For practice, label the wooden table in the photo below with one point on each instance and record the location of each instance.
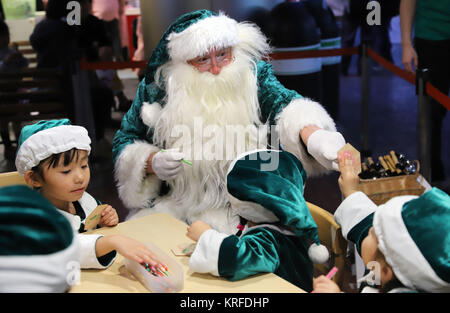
(167, 232)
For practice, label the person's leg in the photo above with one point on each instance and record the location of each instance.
(348, 34)
(434, 55)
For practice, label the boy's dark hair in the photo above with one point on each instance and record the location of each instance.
(55, 159)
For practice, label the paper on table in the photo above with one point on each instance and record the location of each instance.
(184, 249)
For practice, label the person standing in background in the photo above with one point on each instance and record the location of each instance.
(430, 50)
(109, 11)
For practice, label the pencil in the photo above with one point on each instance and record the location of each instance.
(332, 272)
(182, 160)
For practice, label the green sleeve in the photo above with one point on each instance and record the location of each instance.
(132, 128)
(272, 95)
(249, 255)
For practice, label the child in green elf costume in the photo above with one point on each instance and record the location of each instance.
(53, 158)
(38, 249)
(405, 242)
(277, 233)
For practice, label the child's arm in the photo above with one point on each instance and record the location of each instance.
(196, 229)
(227, 255)
(323, 284)
(127, 247)
(349, 180)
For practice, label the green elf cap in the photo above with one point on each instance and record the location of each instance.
(191, 35)
(37, 243)
(412, 232)
(45, 138)
(267, 186)
(414, 237)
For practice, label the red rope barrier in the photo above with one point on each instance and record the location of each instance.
(89, 66)
(432, 91)
(409, 77)
(437, 95)
(285, 55)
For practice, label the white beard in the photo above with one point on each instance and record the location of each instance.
(196, 119)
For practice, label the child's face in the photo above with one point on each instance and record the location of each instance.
(369, 247)
(64, 184)
(370, 252)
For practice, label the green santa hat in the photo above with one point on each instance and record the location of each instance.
(267, 186)
(196, 33)
(413, 235)
(45, 138)
(38, 249)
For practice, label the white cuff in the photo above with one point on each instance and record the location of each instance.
(294, 117)
(87, 249)
(135, 188)
(353, 210)
(205, 258)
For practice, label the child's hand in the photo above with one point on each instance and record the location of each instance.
(109, 217)
(322, 284)
(197, 229)
(349, 180)
(132, 249)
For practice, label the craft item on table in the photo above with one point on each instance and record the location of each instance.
(94, 218)
(356, 156)
(155, 275)
(184, 249)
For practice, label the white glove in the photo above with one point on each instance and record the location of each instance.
(324, 145)
(167, 165)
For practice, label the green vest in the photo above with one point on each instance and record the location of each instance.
(432, 20)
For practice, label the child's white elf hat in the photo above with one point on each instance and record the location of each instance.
(45, 138)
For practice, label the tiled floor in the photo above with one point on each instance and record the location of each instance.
(392, 125)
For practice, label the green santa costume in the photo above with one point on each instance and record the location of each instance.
(39, 141)
(265, 187)
(174, 99)
(412, 234)
(38, 249)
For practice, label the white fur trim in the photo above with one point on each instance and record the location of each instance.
(150, 113)
(318, 253)
(134, 187)
(39, 273)
(205, 258)
(214, 31)
(294, 117)
(400, 250)
(353, 210)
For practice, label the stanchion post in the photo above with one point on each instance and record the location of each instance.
(423, 123)
(365, 99)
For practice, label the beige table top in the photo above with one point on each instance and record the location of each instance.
(167, 232)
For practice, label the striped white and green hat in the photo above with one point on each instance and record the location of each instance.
(413, 234)
(44, 138)
(38, 249)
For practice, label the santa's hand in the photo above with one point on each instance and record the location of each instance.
(324, 145)
(166, 165)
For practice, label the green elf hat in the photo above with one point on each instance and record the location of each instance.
(412, 232)
(191, 35)
(414, 237)
(45, 138)
(38, 249)
(267, 186)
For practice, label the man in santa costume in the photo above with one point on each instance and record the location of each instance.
(207, 97)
